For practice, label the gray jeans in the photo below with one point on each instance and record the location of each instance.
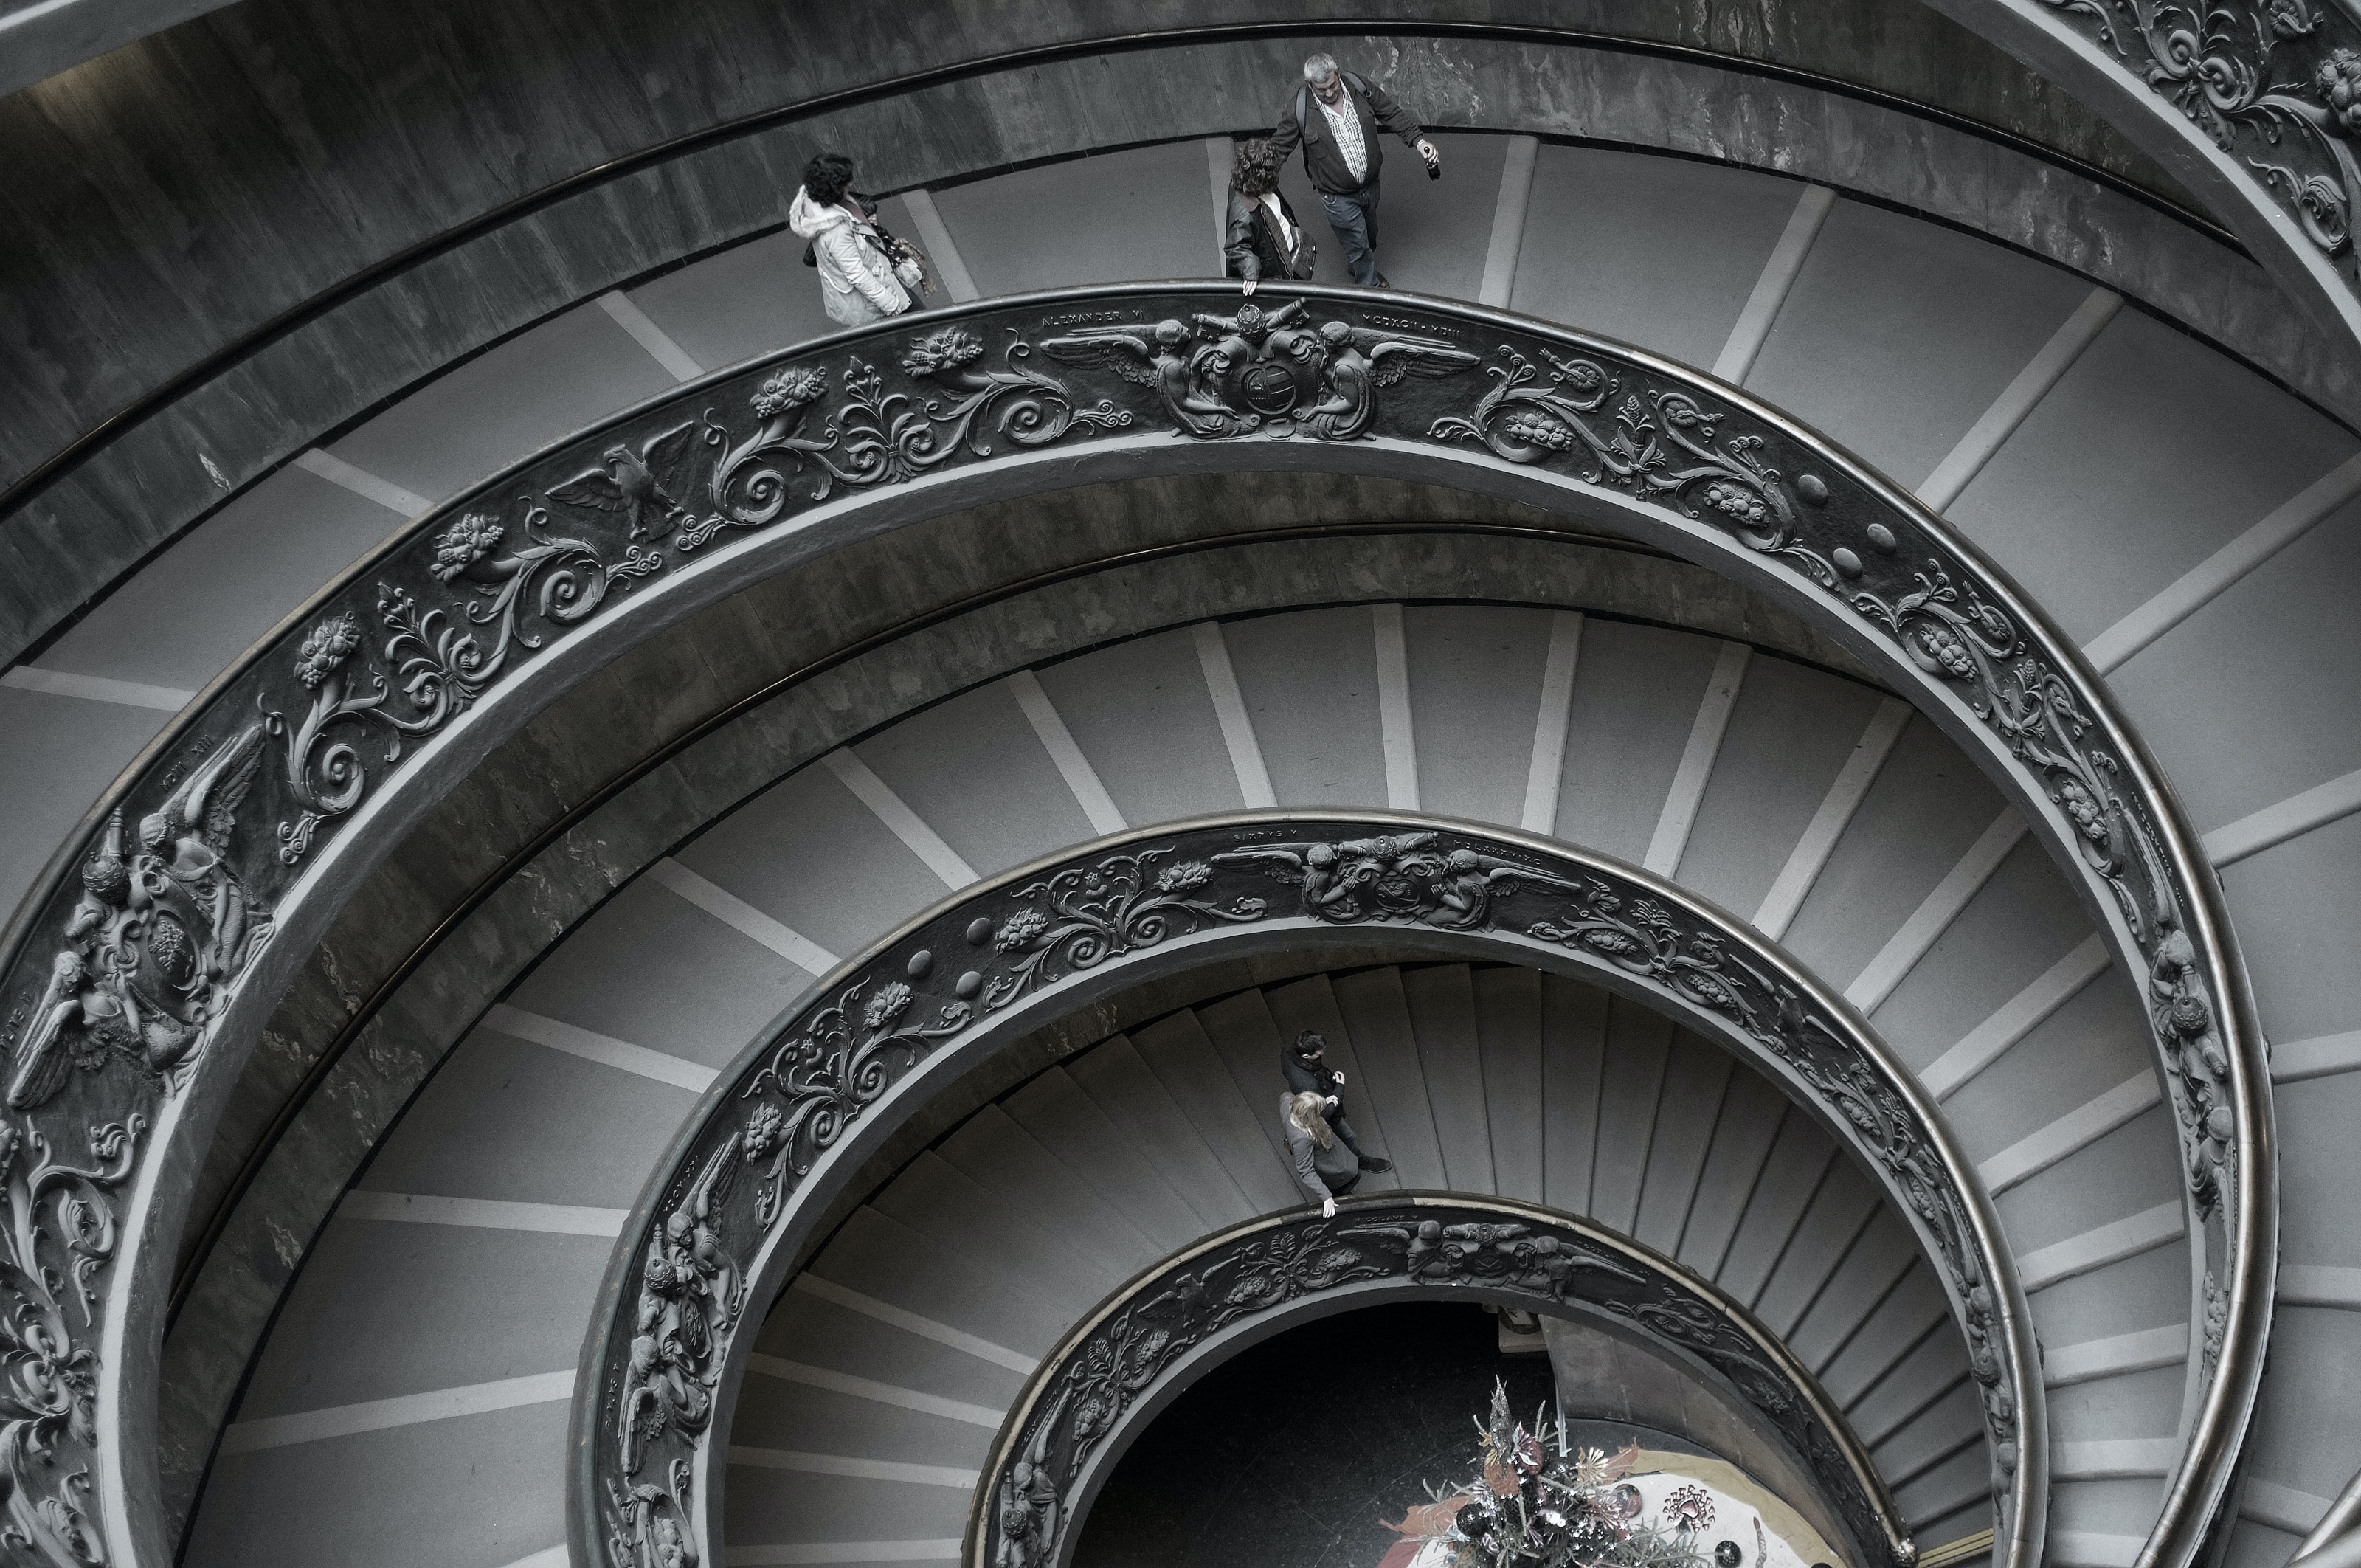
(1355, 219)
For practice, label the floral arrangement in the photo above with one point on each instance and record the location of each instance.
(1536, 1502)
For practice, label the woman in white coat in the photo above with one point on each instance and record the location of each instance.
(865, 274)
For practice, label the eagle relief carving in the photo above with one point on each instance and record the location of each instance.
(1262, 370)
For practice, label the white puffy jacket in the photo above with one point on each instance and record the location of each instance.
(857, 285)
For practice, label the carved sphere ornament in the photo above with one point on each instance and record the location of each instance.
(137, 975)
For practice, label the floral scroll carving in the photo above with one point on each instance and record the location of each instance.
(1626, 428)
(129, 953)
(884, 1018)
(1084, 1388)
(1642, 937)
(2274, 83)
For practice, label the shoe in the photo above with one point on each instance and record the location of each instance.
(1384, 281)
(1370, 1163)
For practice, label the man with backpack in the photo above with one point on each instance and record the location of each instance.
(1336, 116)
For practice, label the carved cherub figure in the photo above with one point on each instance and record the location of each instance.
(628, 484)
(1425, 1257)
(688, 1294)
(73, 1011)
(1404, 875)
(1362, 359)
(154, 937)
(106, 888)
(188, 843)
(1158, 355)
(1028, 1504)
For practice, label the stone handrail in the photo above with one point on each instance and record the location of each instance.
(1107, 1378)
(138, 974)
(2253, 105)
(777, 1138)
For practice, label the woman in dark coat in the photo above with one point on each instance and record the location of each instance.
(1264, 239)
(1324, 1168)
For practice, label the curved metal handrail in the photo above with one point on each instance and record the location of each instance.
(775, 1139)
(1093, 1392)
(156, 965)
(2334, 1543)
(2251, 107)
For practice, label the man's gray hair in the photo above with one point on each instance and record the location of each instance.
(1320, 70)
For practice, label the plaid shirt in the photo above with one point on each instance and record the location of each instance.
(1344, 125)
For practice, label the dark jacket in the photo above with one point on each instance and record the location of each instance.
(1320, 1174)
(1321, 159)
(1254, 247)
(1302, 1078)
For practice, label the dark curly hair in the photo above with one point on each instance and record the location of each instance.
(828, 177)
(1255, 172)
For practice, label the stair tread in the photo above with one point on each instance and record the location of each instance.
(1376, 1017)
(1002, 1158)
(1631, 1085)
(1697, 1080)
(879, 1256)
(1751, 1115)
(1508, 1036)
(1916, 1306)
(1065, 1119)
(802, 1327)
(1800, 1155)
(1184, 1061)
(780, 1413)
(1442, 1003)
(1246, 1039)
(1121, 1084)
(1872, 1265)
(936, 1199)
(1574, 1052)
(784, 1507)
(1845, 1204)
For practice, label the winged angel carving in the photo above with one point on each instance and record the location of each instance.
(690, 1298)
(1262, 370)
(1395, 876)
(161, 929)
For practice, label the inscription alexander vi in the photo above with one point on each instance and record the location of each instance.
(1084, 318)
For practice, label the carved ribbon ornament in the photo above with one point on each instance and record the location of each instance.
(123, 960)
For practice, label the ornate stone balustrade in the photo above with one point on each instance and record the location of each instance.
(1112, 1373)
(138, 974)
(775, 1140)
(2253, 103)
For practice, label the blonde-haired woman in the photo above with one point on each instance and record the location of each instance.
(1324, 1168)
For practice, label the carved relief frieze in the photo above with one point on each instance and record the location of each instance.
(932, 989)
(1089, 1385)
(2276, 84)
(125, 957)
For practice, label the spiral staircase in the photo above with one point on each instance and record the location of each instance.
(1712, 761)
(1047, 1201)
(2190, 522)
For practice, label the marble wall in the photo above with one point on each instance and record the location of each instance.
(186, 192)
